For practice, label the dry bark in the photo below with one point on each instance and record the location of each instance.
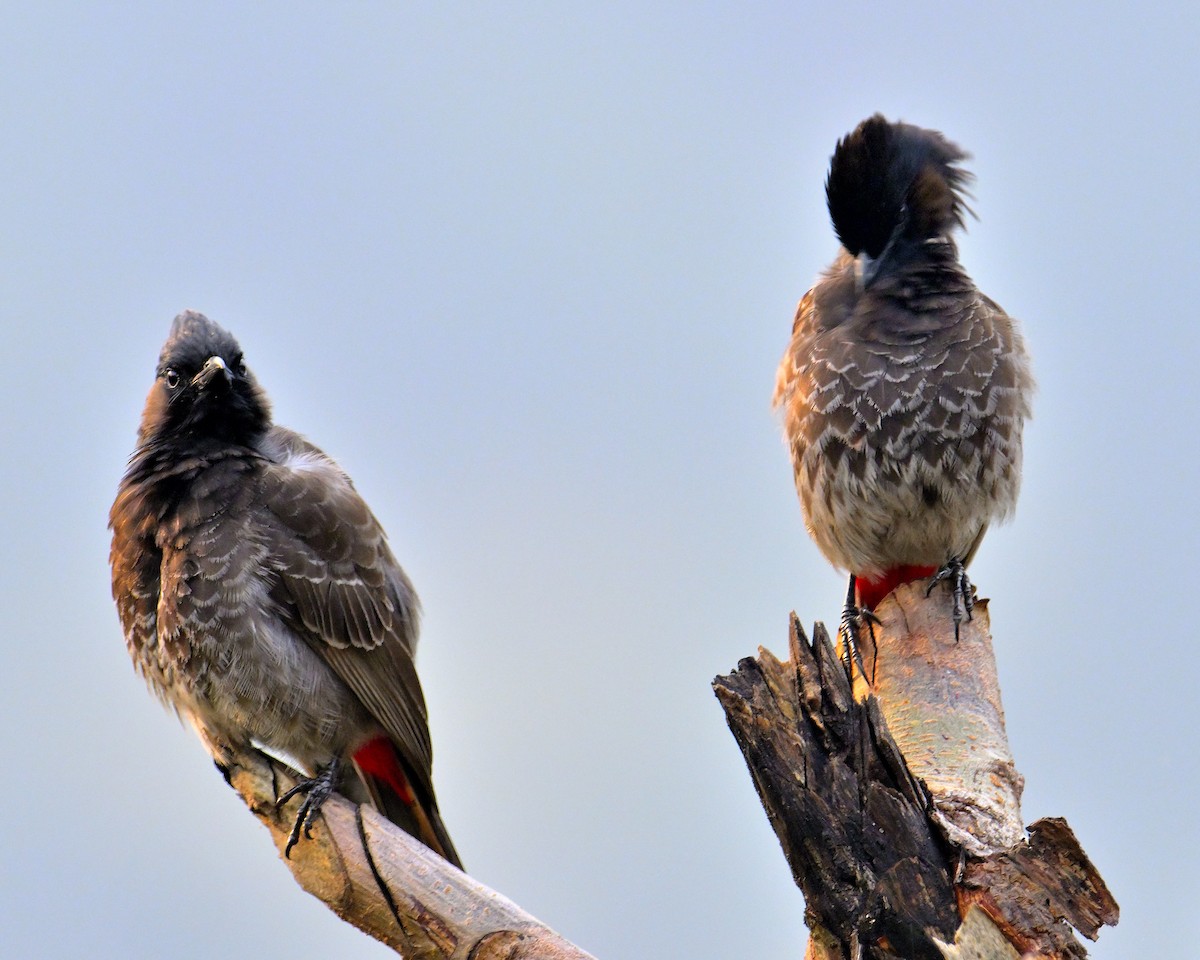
(374, 875)
(895, 797)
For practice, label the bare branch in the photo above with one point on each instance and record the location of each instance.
(374, 875)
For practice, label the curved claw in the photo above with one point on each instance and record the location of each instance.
(853, 617)
(962, 591)
(316, 791)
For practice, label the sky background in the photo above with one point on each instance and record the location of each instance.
(527, 271)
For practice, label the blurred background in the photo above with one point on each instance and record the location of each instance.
(527, 272)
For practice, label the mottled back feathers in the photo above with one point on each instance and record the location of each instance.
(904, 390)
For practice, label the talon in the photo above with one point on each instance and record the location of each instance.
(853, 616)
(962, 592)
(316, 791)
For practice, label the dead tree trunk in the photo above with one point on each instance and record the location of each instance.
(895, 797)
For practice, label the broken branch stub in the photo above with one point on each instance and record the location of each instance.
(896, 799)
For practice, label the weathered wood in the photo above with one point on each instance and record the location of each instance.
(978, 938)
(941, 700)
(896, 800)
(1033, 891)
(853, 823)
(391, 886)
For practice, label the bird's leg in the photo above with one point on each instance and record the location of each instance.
(316, 791)
(960, 589)
(853, 616)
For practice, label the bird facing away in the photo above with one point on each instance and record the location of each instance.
(259, 596)
(904, 389)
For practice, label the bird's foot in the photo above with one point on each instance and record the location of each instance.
(850, 630)
(961, 590)
(316, 791)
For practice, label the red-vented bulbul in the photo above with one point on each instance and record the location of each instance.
(258, 594)
(904, 389)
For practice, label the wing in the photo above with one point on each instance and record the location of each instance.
(339, 583)
(819, 386)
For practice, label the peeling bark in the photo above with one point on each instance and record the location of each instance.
(896, 800)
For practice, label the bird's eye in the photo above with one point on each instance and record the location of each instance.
(239, 367)
(171, 378)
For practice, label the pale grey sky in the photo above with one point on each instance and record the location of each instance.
(527, 271)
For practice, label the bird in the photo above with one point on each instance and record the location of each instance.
(259, 596)
(904, 390)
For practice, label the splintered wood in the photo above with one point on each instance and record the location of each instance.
(896, 800)
(852, 821)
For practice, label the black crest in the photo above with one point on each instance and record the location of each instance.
(193, 339)
(894, 179)
(194, 402)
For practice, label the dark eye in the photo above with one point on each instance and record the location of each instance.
(171, 378)
(239, 367)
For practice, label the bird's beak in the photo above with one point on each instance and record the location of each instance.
(864, 270)
(212, 366)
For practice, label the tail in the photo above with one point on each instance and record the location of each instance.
(891, 182)
(396, 794)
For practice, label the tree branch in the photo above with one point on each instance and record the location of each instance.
(375, 876)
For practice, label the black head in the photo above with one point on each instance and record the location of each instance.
(202, 389)
(893, 179)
